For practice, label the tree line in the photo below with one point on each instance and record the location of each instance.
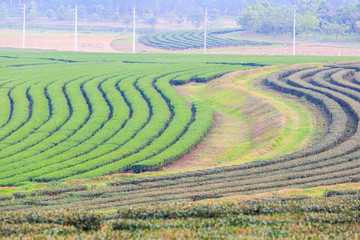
(333, 17)
(311, 16)
(107, 8)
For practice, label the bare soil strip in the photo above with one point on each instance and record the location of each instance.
(101, 43)
(248, 124)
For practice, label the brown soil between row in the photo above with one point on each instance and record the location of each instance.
(85, 44)
(98, 43)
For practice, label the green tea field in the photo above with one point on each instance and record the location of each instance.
(183, 40)
(89, 140)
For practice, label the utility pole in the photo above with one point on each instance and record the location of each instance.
(76, 27)
(294, 37)
(134, 29)
(24, 23)
(205, 26)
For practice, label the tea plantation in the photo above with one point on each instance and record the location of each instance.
(67, 116)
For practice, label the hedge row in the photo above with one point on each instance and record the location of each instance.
(93, 125)
(193, 135)
(332, 160)
(183, 40)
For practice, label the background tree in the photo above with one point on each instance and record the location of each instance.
(33, 14)
(196, 17)
(115, 17)
(61, 12)
(213, 15)
(281, 21)
(32, 5)
(127, 21)
(4, 14)
(334, 29)
(69, 13)
(324, 11)
(308, 23)
(250, 19)
(51, 15)
(162, 7)
(170, 17)
(101, 11)
(179, 18)
(265, 17)
(357, 26)
(94, 17)
(151, 20)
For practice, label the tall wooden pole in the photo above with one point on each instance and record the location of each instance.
(134, 29)
(76, 28)
(294, 34)
(24, 24)
(205, 26)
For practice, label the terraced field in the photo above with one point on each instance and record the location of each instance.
(183, 40)
(68, 116)
(79, 120)
(83, 119)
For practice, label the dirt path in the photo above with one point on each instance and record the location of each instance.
(261, 124)
(94, 42)
(85, 44)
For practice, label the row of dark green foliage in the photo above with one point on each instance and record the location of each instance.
(183, 40)
(91, 120)
(69, 126)
(332, 160)
(311, 17)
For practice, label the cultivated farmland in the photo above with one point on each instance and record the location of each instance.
(71, 116)
(91, 119)
(67, 117)
(183, 40)
(81, 116)
(278, 218)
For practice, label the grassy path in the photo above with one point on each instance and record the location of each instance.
(251, 123)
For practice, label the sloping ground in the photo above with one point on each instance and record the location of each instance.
(333, 160)
(250, 121)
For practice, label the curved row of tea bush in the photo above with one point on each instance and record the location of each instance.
(203, 75)
(333, 160)
(196, 131)
(55, 102)
(97, 119)
(155, 127)
(182, 40)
